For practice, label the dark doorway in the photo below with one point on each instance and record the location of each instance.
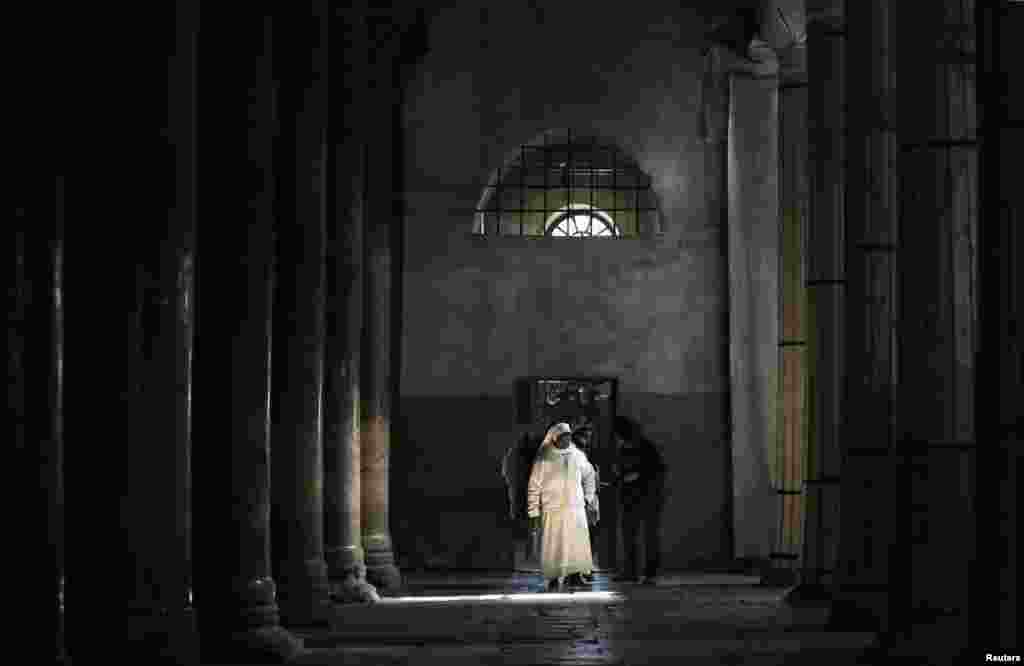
(541, 400)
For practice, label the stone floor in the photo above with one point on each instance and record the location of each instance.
(475, 618)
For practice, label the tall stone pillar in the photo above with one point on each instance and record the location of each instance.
(346, 563)
(166, 320)
(995, 617)
(869, 485)
(300, 57)
(34, 399)
(235, 595)
(933, 52)
(825, 293)
(753, 252)
(376, 384)
(107, 482)
(125, 300)
(793, 205)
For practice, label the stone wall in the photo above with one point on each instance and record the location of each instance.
(479, 313)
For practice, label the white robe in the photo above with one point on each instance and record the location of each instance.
(561, 486)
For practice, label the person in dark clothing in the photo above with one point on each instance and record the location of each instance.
(641, 481)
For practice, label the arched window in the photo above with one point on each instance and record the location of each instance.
(568, 185)
(580, 220)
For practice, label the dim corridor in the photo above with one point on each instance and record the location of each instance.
(476, 618)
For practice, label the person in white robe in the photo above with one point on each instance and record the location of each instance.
(562, 485)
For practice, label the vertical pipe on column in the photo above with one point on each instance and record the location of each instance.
(235, 597)
(296, 441)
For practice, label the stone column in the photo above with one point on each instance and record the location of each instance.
(753, 251)
(995, 618)
(300, 155)
(933, 53)
(167, 336)
(235, 595)
(124, 367)
(346, 564)
(792, 363)
(34, 400)
(375, 391)
(107, 478)
(825, 294)
(869, 486)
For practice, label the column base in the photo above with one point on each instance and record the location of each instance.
(380, 563)
(385, 576)
(343, 562)
(347, 574)
(303, 594)
(354, 590)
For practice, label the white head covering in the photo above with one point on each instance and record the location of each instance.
(554, 432)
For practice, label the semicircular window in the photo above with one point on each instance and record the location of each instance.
(568, 185)
(580, 220)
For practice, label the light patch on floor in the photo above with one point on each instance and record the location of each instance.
(531, 598)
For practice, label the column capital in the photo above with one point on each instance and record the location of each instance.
(761, 61)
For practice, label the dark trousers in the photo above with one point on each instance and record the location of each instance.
(642, 518)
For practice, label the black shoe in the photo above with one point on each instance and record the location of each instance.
(575, 580)
(587, 578)
(553, 585)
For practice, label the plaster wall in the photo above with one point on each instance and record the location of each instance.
(478, 313)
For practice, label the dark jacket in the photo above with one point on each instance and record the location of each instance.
(644, 459)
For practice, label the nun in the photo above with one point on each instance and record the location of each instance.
(562, 485)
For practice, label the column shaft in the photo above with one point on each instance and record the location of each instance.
(933, 53)
(995, 619)
(235, 596)
(168, 321)
(34, 399)
(343, 535)
(825, 292)
(868, 484)
(165, 256)
(107, 478)
(297, 458)
(375, 432)
(753, 253)
(793, 207)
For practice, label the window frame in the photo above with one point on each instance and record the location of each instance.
(546, 181)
